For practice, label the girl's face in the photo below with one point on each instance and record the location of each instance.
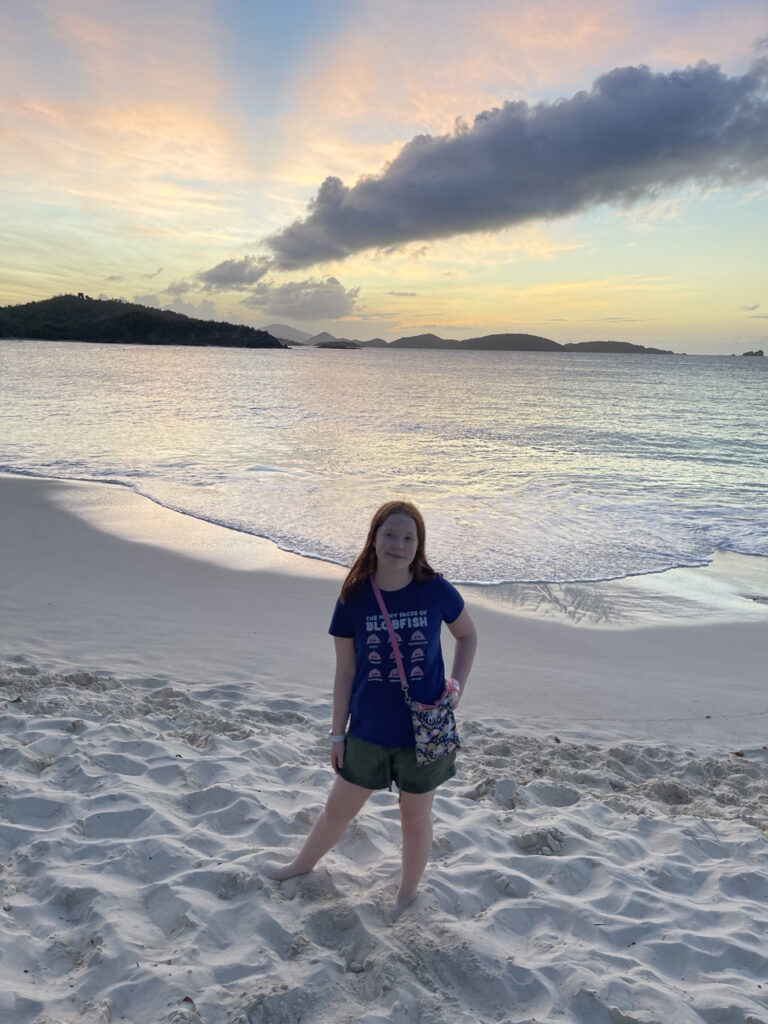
(396, 542)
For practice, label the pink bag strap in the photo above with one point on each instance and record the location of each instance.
(392, 640)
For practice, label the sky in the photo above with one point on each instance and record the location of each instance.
(574, 169)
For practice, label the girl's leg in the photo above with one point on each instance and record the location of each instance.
(344, 801)
(416, 818)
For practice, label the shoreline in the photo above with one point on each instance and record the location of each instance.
(199, 603)
(601, 855)
(731, 587)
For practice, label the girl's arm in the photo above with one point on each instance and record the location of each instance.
(463, 629)
(342, 692)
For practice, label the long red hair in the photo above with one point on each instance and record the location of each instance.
(365, 563)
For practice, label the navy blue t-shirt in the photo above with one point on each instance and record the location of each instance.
(378, 712)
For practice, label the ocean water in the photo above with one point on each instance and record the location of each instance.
(527, 466)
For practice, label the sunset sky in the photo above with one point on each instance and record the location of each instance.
(578, 169)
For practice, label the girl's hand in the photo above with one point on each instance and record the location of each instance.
(454, 690)
(337, 755)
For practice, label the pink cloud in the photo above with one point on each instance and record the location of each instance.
(142, 49)
(404, 68)
(121, 156)
(133, 122)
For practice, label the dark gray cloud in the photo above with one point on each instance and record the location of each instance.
(149, 277)
(205, 310)
(304, 300)
(404, 295)
(232, 274)
(750, 309)
(633, 134)
(148, 300)
(179, 288)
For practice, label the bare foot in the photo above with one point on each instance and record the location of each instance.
(291, 870)
(402, 904)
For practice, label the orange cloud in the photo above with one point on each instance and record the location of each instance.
(402, 68)
(135, 125)
(142, 49)
(151, 156)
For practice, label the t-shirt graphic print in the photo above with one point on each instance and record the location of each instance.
(378, 712)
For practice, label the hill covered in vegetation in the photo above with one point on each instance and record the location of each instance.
(81, 318)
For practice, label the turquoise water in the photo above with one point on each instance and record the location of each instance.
(527, 466)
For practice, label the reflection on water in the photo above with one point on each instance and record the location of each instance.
(528, 466)
(732, 587)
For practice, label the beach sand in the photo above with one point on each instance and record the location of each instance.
(601, 857)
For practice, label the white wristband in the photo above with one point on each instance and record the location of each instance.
(337, 739)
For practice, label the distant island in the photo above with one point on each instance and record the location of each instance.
(112, 321)
(487, 343)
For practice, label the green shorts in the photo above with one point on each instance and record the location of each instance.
(374, 767)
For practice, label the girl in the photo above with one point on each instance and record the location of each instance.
(372, 741)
